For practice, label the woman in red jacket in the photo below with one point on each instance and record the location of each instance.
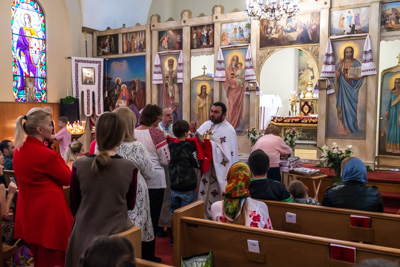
(43, 218)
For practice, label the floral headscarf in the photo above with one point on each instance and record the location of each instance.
(236, 190)
(354, 170)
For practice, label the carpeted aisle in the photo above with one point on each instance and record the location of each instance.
(164, 249)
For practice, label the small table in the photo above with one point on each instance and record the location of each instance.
(287, 165)
(314, 178)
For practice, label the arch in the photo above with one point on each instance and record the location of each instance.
(309, 50)
(28, 27)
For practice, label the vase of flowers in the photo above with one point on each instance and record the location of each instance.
(333, 157)
(254, 135)
(290, 137)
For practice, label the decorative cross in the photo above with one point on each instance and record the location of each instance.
(398, 57)
(223, 139)
(204, 69)
(204, 180)
(224, 162)
(214, 193)
(202, 192)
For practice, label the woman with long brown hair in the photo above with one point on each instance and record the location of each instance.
(103, 188)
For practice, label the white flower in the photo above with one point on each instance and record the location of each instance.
(325, 148)
(349, 147)
(324, 154)
(335, 151)
(334, 144)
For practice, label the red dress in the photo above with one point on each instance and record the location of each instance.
(42, 217)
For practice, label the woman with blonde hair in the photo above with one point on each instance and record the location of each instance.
(75, 150)
(103, 189)
(42, 216)
(136, 152)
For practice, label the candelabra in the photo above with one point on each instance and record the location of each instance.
(77, 129)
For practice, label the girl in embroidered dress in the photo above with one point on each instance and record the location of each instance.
(238, 207)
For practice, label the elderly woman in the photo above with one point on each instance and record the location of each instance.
(136, 152)
(42, 216)
(353, 192)
(156, 145)
(238, 207)
(273, 145)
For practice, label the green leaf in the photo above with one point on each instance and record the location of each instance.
(68, 100)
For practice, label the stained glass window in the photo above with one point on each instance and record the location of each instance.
(29, 51)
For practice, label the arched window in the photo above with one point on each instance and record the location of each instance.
(29, 51)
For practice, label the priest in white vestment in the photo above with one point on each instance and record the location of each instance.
(224, 151)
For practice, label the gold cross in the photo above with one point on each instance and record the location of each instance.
(204, 69)
(398, 57)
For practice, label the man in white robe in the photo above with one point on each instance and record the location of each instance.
(224, 151)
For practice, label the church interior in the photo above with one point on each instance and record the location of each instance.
(326, 73)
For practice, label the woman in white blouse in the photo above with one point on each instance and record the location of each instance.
(157, 147)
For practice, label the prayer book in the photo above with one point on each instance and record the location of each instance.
(343, 253)
(360, 221)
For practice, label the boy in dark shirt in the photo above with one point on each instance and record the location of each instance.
(183, 178)
(261, 187)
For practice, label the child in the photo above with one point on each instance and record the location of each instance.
(182, 175)
(239, 74)
(109, 251)
(299, 193)
(63, 136)
(75, 150)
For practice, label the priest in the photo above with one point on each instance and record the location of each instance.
(224, 152)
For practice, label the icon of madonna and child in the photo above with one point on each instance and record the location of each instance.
(235, 87)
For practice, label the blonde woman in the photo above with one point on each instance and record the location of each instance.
(136, 152)
(42, 216)
(75, 150)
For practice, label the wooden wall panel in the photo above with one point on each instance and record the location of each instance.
(10, 111)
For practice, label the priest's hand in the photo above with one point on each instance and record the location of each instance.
(192, 127)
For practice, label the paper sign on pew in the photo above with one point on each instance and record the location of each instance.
(290, 217)
(253, 246)
(360, 221)
(343, 253)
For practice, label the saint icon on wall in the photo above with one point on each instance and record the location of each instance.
(347, 107)
(202, 94)
(170, 91)
(235, 89)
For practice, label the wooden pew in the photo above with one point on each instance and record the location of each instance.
(228, 242)
(335, 223)
(134, 236)
(6, 252)
(145, 263)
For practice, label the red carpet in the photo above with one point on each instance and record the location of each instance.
(164, 249)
